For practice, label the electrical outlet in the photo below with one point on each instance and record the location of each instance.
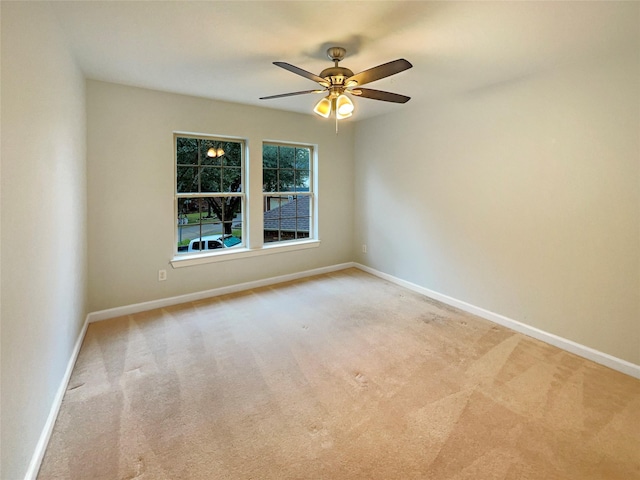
(162, 275)
(364, 248)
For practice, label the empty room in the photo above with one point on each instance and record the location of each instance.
(320, 240)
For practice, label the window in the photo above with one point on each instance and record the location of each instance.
(287, 192)
(212, 207)
(209, 193)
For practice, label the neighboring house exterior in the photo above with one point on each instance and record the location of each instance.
(288, 221)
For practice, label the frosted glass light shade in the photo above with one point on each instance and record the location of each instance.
(344, 106)
(323, 107)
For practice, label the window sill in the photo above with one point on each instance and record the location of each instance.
(238, 253)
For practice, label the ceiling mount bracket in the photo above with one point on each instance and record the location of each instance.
(336, 53)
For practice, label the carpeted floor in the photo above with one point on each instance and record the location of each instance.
(340, 376)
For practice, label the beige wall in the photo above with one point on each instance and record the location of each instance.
(521, 198)
(43, 200)
(131, 185)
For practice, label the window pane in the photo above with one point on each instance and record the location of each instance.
(211, 152)
(187, 179)
(231, 180)
(302, 180)
(286, 181)
(188, 213)
(188, 232)
(229, 212)
(186, 151)
(233, 154)
(287, 157)
(272, 213)
(269, 180)
(207, 213)
(269, 156)
(202, 221)
(303, 158)
(286, 217)
(210, 179)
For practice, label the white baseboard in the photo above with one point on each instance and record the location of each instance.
(550, 338)
(190, 297)
(43, 441)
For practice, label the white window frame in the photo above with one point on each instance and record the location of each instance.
(311, 193)
(177, 196)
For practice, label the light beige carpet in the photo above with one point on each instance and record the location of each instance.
(340, 376)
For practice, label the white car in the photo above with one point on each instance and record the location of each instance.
(212, 242)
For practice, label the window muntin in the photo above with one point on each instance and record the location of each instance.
(287, 192)
(209, 193)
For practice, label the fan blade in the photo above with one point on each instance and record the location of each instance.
(303, 73)
(380, 95)
(291, 94)
(381, 71)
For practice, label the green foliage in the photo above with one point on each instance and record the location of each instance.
(285, 168)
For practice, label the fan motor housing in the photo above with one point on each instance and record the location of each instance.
(336, 75)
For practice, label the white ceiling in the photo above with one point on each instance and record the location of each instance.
(224, 49)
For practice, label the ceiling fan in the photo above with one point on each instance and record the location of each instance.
(336, 81)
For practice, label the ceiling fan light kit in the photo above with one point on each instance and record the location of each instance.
(338, 81)
(323, 107)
